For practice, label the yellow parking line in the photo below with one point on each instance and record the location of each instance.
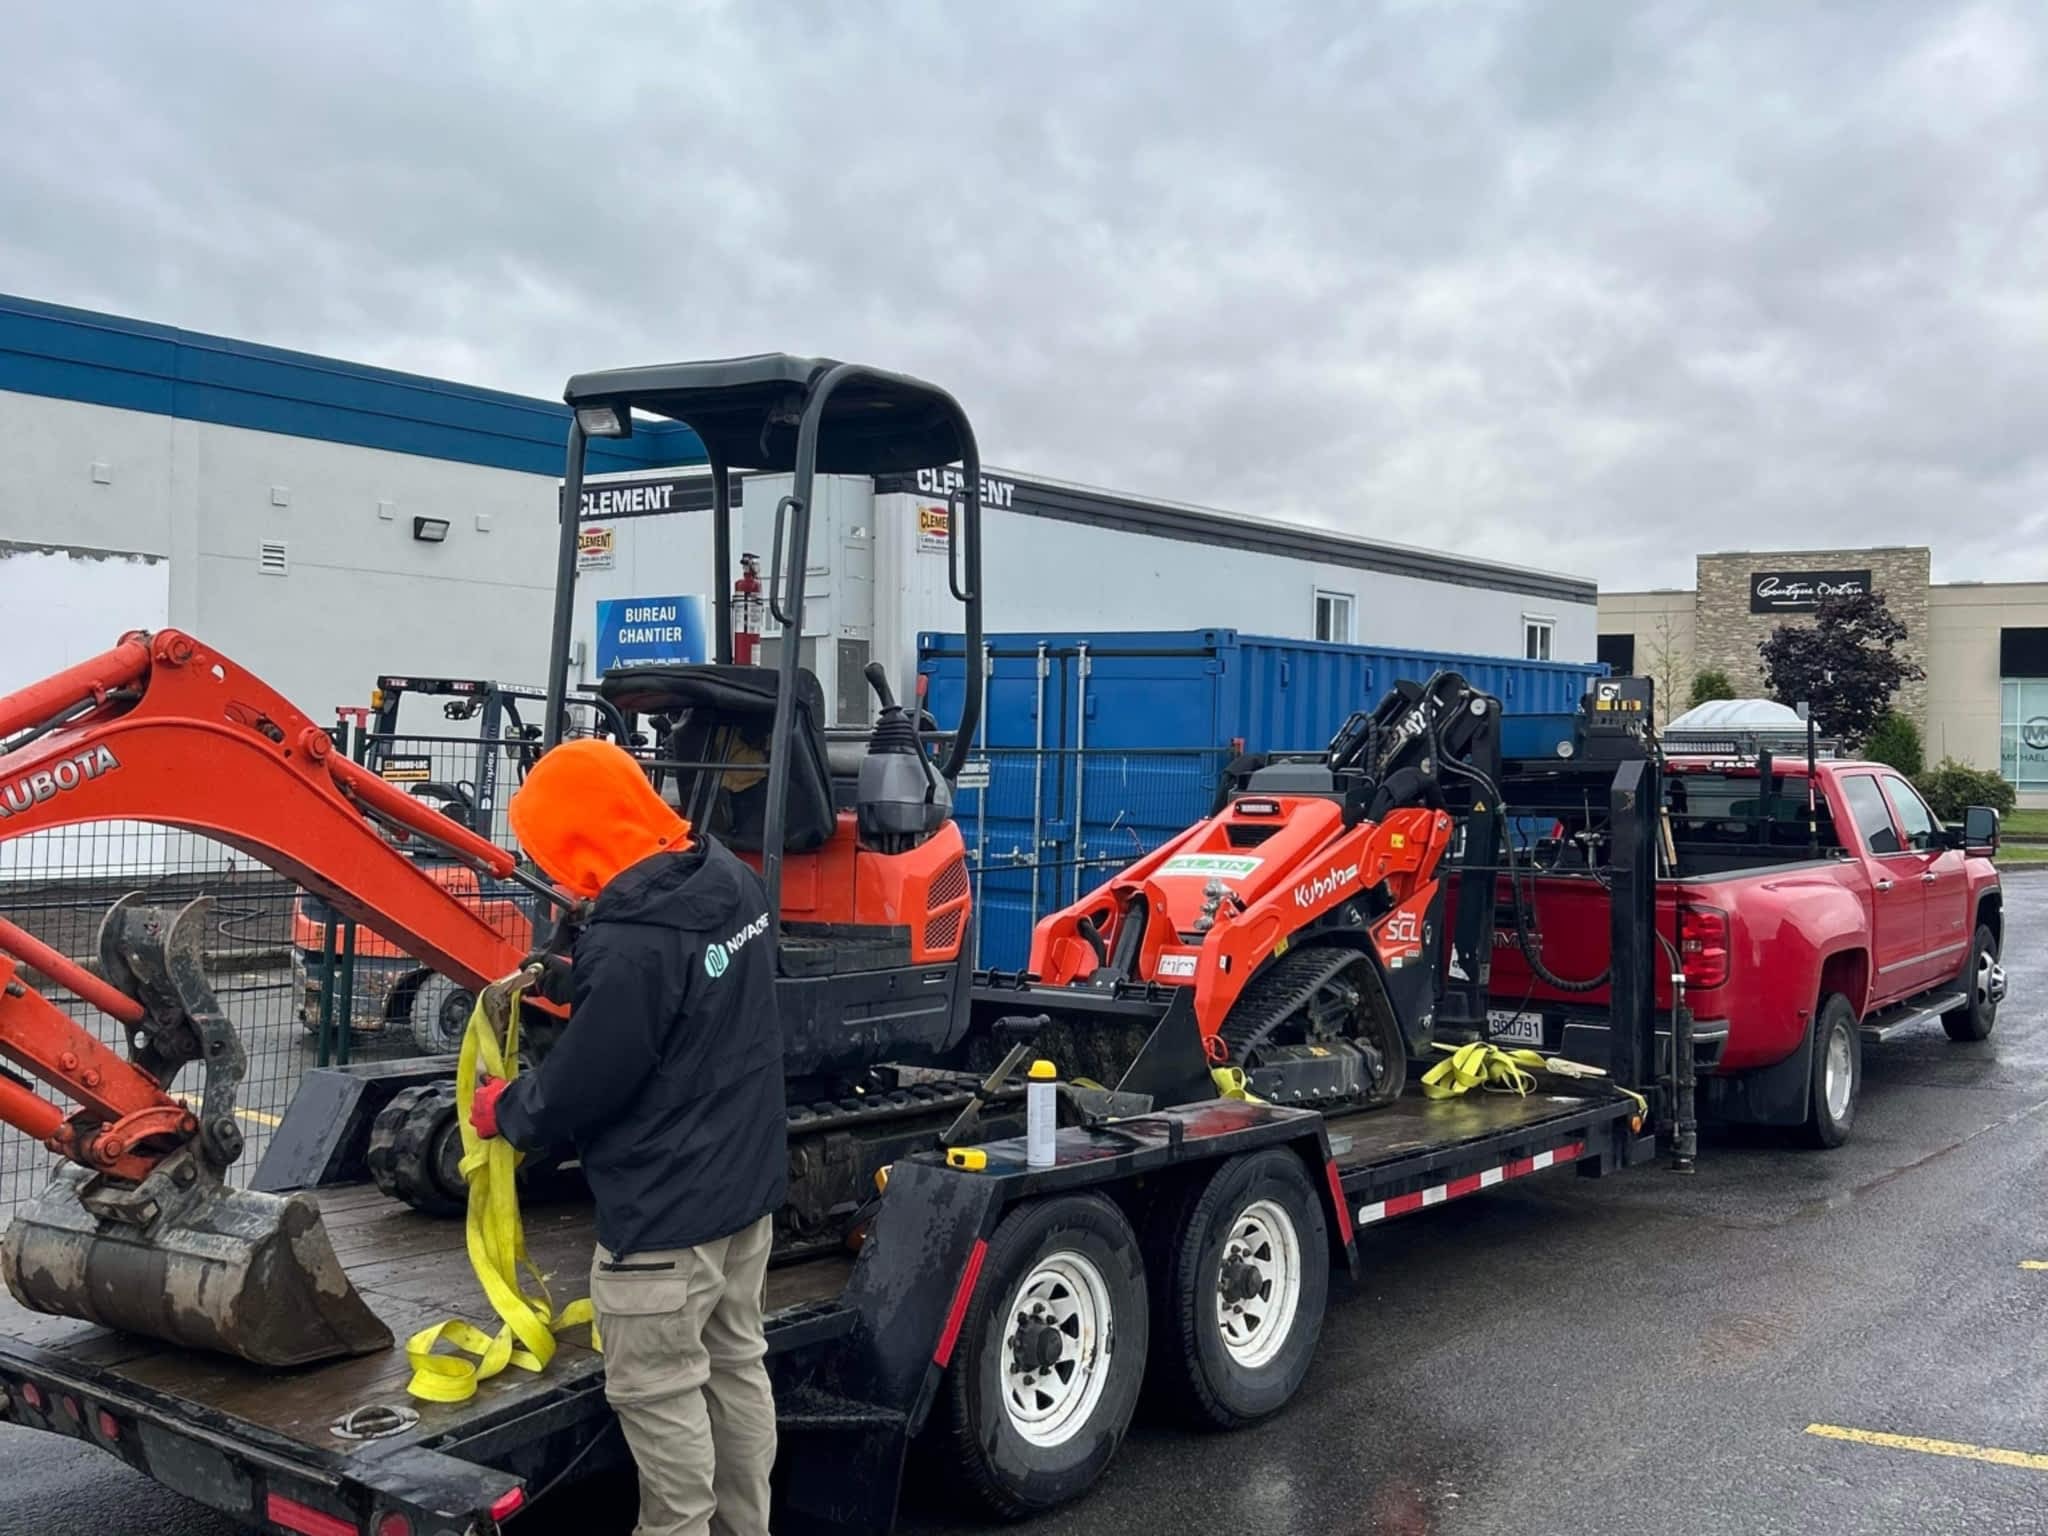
(2034, 1263)
(2027, 1459)
(191, 1101)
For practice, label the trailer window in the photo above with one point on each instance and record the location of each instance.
(1873, 816)
(1333, 617)
(1728, 810)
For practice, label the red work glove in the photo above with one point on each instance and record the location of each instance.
(483, 1106)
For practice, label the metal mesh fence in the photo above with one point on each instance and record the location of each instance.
(58, 885)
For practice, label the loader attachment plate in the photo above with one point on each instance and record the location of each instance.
(200, 1266)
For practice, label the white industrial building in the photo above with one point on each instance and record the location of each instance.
(323, 522)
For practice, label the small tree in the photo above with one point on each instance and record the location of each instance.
(1949, 787)
(1845, 664)
(1895, 742)
(1709, 684)
(1667, 666)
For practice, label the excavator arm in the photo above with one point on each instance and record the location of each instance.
(142, 1232)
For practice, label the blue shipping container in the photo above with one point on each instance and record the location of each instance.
(1102, 745)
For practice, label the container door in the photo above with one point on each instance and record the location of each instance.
(1142, 755)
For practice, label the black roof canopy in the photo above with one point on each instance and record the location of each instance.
(746, 410)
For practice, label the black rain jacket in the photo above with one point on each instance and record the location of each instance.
(668, 1077)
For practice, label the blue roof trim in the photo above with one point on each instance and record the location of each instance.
(132, 365)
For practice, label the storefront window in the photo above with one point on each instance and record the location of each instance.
(2023, 748)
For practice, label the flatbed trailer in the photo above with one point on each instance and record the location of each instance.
(859, 1344)
(1004, 1312)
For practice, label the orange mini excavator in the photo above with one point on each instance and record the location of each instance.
(853, 835)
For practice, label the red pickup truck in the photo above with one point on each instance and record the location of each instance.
(1805, 926)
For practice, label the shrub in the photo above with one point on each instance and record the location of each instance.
(1949, 786)
(1710, 685)
(1895, 742)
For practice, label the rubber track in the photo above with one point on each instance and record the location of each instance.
(401, 1147)
(402, 1137)
(1277, 993)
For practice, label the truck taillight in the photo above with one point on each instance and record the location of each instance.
(1703, 945)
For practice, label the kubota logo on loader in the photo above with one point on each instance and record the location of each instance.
(1324, 886)
(34, 788)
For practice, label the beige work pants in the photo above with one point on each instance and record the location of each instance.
(682, 1360)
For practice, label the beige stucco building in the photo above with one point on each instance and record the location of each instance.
(1984, 645)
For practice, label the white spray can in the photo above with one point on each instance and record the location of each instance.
(1041, 1114)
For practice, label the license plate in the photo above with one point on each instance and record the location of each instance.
(1512, 1028)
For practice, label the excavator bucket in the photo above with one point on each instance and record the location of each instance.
(230, 1270)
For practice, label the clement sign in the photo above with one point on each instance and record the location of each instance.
(1802, 591)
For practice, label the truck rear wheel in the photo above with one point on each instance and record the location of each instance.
(1241, 1290)
(1051, 1356)
(1837, 1072)
(1986, 984)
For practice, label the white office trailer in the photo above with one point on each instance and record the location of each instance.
(323, 522)
(1056, 557)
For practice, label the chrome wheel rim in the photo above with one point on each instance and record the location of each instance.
(1987, 968)
(1056, 1349)
(1258, 1284)
(1838, 1074)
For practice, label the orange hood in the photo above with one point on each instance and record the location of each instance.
(586, 812)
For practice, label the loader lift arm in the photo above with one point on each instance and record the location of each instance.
(142, 1232)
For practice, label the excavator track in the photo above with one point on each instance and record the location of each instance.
(1331, 1067)
(414, 1153)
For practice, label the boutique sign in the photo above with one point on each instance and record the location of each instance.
(1802, 591)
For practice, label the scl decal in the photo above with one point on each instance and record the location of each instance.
(32, 789)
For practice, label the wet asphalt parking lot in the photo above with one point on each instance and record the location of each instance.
(1785, 1341)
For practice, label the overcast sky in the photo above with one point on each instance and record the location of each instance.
(1594, 286)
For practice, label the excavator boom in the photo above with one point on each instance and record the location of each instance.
(142, 1232)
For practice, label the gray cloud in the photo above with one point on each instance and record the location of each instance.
(1590, 285)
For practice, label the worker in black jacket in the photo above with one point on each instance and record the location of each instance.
(668, 1081)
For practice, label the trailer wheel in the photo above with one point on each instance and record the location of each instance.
(1837, 1072)
(439, 1014)
(1241, 1293)
(1051, 1355)
(1981, 975)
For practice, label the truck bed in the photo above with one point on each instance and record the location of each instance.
(414, 1271)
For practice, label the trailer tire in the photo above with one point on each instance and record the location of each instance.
(1220, 1363)
(1837, 1073)
(438, 1014)
(1974, 1020)
(1063, 1283)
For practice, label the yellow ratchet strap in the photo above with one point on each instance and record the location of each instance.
(496, 1239)
(1483, 1065)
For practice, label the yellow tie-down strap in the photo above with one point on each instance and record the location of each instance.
(497, 1247)
(1483, 1065)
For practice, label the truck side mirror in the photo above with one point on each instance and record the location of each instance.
(1980, 829)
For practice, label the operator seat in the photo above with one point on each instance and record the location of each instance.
(719, 720)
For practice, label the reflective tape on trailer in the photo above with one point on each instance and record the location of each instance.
(1472, 1183)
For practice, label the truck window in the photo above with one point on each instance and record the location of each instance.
(1734, 810)
(1914, 816)
(1873, 817)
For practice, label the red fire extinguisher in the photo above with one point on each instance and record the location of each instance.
(747, 611)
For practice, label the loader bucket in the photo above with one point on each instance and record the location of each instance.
(203, 1267)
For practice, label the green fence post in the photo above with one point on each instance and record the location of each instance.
(346, 1004)
(326, 992)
